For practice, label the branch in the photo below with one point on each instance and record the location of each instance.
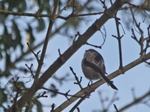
(40, 63)
(35, 47)
(100, 82)
(58, 63)
(140, 31)
(37, 15)
(77, 79)
(134, 102)
(78, 103)
(119, 37)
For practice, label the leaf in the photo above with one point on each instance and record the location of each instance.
(18, 4)
(22, 6)
(18, 35)
(39, 106)
(41, 25)
(20, 84)
(3, 96)
(6, 39)
(7, 61)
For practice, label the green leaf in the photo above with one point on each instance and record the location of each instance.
(39, 106)
(20, 84)
(41, 25)
(13, 4)
(18, 35)
(6, 39)
(3, 96)
(8, 61)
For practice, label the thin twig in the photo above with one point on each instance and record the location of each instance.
(35, 47)
(36, 55)
(135, 101)
(119, 37)
(60, 93)
(140, 32)
(30, 69)
(116, 108)
(98, 83)
(101, 101)
(114, 98)
(94, 45)
(77, 79)
(46, 41)
(67, 54)
(78, 103)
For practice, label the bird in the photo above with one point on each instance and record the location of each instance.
(93, 67)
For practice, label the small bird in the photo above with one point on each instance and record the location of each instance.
(93, 67)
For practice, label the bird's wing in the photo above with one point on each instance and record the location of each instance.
(96, 68)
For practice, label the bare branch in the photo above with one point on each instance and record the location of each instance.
(77, 44)
(77, 79)
(100, 82)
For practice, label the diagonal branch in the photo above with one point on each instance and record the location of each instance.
(136, 101)
(76, 45)
(100, 82)
(36, 46)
